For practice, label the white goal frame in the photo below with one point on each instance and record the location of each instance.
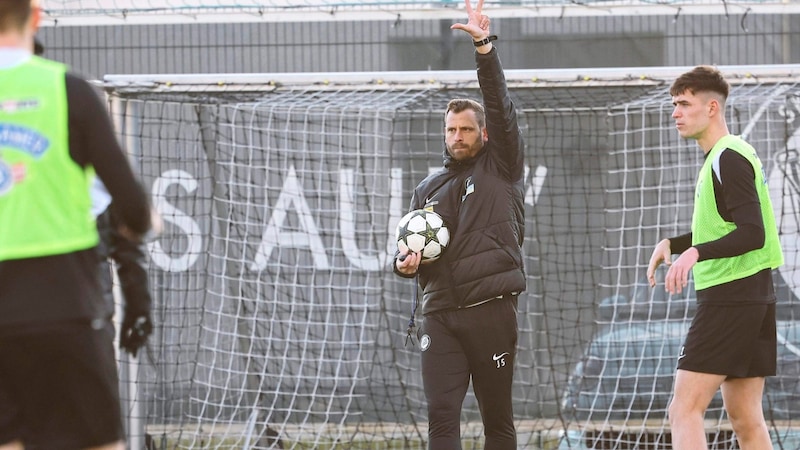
(125, 106)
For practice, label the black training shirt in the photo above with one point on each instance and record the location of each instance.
(737, 202)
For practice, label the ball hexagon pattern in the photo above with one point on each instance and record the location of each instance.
(422, 231)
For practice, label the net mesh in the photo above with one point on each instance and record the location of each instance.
(120, 11)
(280, 324)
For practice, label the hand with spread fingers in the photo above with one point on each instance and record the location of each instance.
(477, 25)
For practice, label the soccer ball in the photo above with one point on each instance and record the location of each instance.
(422, 231)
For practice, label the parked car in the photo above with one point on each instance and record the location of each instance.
(627, 369)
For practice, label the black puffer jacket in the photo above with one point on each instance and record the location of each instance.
(481, 201)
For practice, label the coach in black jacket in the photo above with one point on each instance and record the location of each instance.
(469, 327)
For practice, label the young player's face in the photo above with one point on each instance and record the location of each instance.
(691, 114)
(463, 136)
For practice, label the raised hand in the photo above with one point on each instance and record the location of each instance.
(477, 25)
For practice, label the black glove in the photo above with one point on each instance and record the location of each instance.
(136, 328)
(131, 270)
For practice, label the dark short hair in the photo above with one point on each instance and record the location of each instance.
(458, 105)
(14, 14)
(701, 79)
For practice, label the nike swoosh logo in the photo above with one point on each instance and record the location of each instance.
(430, 199)
(496, 356)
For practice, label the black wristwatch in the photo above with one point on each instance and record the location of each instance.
(485, 41)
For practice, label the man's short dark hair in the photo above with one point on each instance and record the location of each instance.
(458, 105)
(701, 79)
(14, 14)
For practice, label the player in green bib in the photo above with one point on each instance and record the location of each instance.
(58, 378)
(731, 251)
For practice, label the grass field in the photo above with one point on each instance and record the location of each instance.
(544, 434)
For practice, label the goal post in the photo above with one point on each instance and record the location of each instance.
(128, 12)
(280, 325)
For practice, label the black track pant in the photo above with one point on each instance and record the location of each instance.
(478, 343)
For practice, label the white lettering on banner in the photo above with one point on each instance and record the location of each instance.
(535, 187)
(178, 218)
(309, 238)
(347, 220)
(292, 199)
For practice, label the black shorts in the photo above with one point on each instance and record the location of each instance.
(59, 388)
(738, 341)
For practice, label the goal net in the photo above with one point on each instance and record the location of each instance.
(279, 323)
(117, 12)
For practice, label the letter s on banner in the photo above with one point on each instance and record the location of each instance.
(180, 219)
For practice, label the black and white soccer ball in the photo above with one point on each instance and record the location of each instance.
(424, 232)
